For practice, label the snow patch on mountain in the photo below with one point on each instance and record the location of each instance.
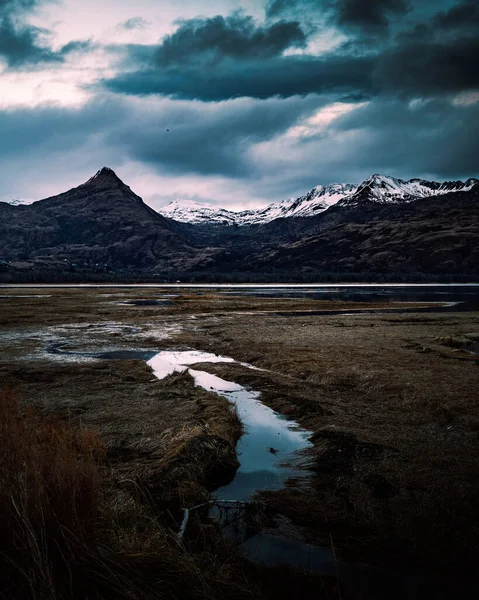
(190, 211)
(18, 202)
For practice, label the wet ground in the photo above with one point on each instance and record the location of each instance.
(389, 398)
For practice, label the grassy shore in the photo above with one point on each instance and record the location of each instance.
(390, 399)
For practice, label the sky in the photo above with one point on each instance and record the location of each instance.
(235, 102)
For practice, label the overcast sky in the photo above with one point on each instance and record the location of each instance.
(235, 102)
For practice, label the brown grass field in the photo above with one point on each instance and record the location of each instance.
(391, 400)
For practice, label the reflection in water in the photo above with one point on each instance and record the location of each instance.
(268, 441)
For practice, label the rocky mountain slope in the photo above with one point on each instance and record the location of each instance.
(434, 235)
(101, 222)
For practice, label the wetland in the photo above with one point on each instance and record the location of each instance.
(345, 416)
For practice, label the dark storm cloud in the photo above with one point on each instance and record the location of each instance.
(173, 136)
(441, 55)
(372, 15)
(215, 59)
(425, 68)
(463, 16)
(222, 58)
(279, 76)
(279, 8)
(235, 36)
(22, 44)
(433, 137)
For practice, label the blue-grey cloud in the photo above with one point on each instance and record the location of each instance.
(134, 23)
(241, 140)
(283, 76)
(174, 137)
(370, 15)
(236, 36)
(22, 44)
(221, 58)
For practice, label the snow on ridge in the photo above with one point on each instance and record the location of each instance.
(18, 202)
(384, 189)
(377, 189)
(317, 200)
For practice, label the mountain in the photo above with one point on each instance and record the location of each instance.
(190, 211)
(383, 189)
(318, 199)
(102, 230)
(435, 235)
(102, 222)
(378, 189)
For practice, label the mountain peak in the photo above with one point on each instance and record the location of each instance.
(105, 177)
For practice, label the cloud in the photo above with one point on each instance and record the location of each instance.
(171, 136)
(207, 139)
(228, 57)
(434, 57)
(424, 67)
(421, 137)
(22, 44)
(463, 16)
(235, 36)
(77, 46)
(134, 23)
(262, 78)
(279, 8)
(370, 15)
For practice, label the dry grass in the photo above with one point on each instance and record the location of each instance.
(69, 530)
(49, 499)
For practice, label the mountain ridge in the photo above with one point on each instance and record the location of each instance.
(379, 189)
(102, 226)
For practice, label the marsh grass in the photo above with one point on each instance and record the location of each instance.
(71, 530)
(49, 498)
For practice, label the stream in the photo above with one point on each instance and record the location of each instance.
(269, 446)
(270, 452)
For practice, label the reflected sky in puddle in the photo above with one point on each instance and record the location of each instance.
(268, 441)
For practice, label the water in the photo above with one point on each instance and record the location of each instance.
(267, 450)
(467, 294)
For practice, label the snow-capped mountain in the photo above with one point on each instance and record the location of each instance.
(382, 189)
(190, 211)
(377, 189)
(317, 200)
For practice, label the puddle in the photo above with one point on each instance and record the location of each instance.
(473, 348)
(83, 342)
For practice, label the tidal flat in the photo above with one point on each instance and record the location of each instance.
(387, 390)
